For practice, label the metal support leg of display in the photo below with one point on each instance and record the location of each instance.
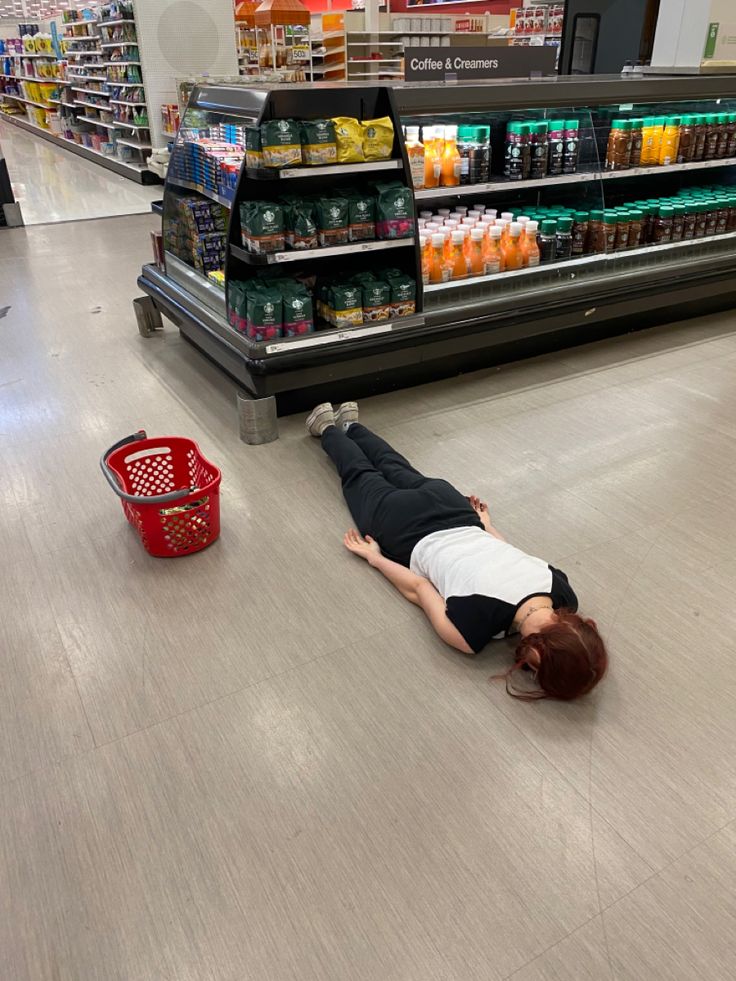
(147, 315)
(257, 419)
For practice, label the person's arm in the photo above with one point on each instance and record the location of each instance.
(481, 509)
(399, 576)
(416, 589)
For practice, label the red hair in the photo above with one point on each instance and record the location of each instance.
(572, 659)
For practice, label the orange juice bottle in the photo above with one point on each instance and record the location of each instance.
(459, 262)
(530, 248)
(477, 240)
(415, 152)
(438, 270)
(425, 247)
(432, 162)
(512, 257)
(451, 161)
(492, 255)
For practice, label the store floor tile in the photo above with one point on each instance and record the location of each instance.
(259, 762)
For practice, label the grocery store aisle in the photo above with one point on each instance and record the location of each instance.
(258, 762)
(53, 184)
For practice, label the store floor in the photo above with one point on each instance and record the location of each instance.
(54, 184)
(258, 762)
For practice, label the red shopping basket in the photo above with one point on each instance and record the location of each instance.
(170, 493)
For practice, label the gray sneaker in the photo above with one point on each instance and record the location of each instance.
(320, 418)
(347, 413)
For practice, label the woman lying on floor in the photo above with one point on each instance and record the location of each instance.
(440, 550)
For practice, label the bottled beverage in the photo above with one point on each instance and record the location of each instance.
(647, 142)
(610, 226)
(556, 144)
(622, 230)
(670, 141)
(513, 163)
(439, 271)
(547, 242)
(444, 212)
(637, 140)
(618, 152)
(701, 210)
(415, 152)
(688, 232)
(663, 225)
(425, 253)
(572, 146)
(686, 147)
(526, 150)
(699, 124)
(580, 224)
(711, 216)
(539, 150)
(427, 215)
(678, 222)
(512, 257)
(451, 162)
(529, 246)
(432, 161)
(731, 129)
(465, 137)
(722, 219)
(492, 255)
(711, 136)
(636, 216)
(563, 235)
(722, 146)
(596, 233)
(477, 239)
(458, 261)
(657, 134)
(480, 158)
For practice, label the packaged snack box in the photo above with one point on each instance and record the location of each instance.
(319, 144)
(265, 312)
(394, 211)
(349, 137)
(332, 221)
(378, 138)
(262, 226)
(300, 224)
(361, 216)
(281, 143)
(376, 301)
(253, 149)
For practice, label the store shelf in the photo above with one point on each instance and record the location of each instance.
(89, 78)
(330, 35)
(198, 284)
(581, 177)
(122, 102)
(28, 54)
(327, 69)
(327, 252)
(119, 44)
(137, 172)
(114, 23)
(375, 61)
(119, 122)
(98, 122)
(120, 64)
(331, 170)
(668, 169)
(327, 53)
(126, 85)
(32, 78)
(375, 75)
(91, 105)
(29, 102)
(135, 145)
(539, 272)
(200, 189)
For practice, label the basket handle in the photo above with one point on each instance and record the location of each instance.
(112, 480)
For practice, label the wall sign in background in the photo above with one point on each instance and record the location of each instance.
(437, 64)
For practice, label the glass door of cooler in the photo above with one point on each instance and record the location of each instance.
(533, 175)
(200, 188)
(605, 190)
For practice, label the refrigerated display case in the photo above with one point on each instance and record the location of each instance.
(610, 285)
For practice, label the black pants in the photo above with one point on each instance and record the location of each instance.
(388, 499)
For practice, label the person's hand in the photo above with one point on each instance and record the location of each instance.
(477, 505)
(367, 548)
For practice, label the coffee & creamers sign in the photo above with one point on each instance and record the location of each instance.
(439, 65)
